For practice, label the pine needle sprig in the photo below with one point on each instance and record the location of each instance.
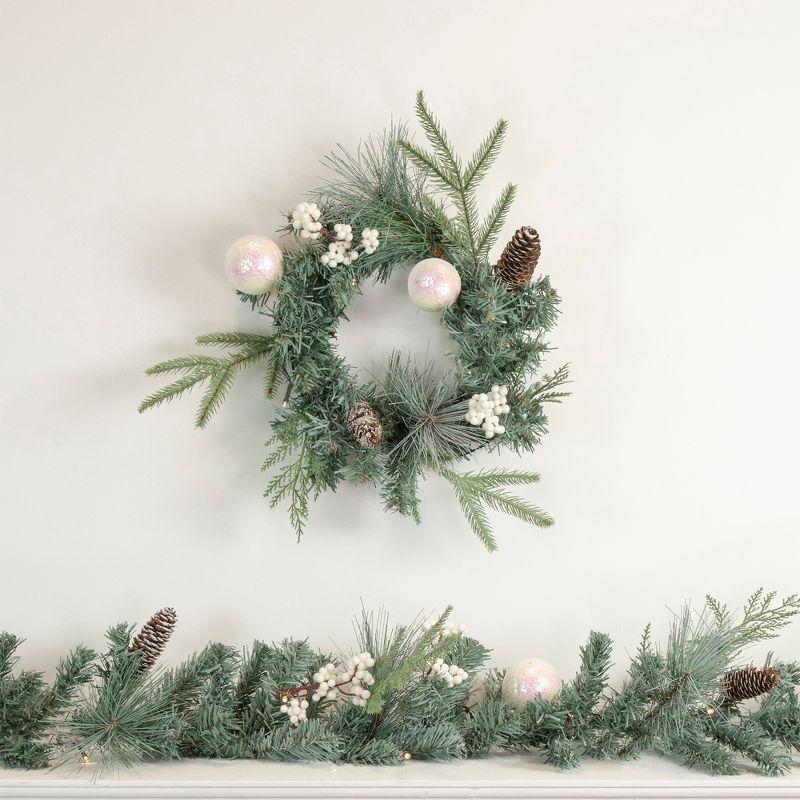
(486, 154)
(301, 442)
(476, 490)
(546, 390)
(9, 644)
(446, 170)
(411, 651)
(219, 372)
(293, 482)
(431, 419)
(495, 219)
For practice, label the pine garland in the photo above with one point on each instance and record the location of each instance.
(423, 203)
(225, 703)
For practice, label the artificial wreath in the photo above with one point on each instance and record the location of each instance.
(418, 691)
(413, 206)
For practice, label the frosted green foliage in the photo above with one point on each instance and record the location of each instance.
(225, 703)
(29, 708)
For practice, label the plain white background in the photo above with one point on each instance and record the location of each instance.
(655, 149)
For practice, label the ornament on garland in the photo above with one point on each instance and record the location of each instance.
(364, 425)
(749, 682)
(530, 679)
(434, 284)
(519, 259)
(153, 637)
(411, 205)
(254, 264)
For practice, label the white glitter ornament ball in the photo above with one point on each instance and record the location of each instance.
(253, 264)
(529, 679)
(434, 284)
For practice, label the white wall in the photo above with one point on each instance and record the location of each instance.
(655, 147)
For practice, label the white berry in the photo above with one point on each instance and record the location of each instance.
(451, 674)
(296, 710)
(305, 221)
(369, 240)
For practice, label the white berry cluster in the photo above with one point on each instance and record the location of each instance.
(485, 410)
(296, 710)
(449, 673)
(339, 251)
(326, 678)
(305, 220)
(355, 673)
(369, 240)
(360, 677)
(342, 249)
(448, 629)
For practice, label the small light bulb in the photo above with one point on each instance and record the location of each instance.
(85, 758)
(407, 756)
(710, 711)
(285, 404)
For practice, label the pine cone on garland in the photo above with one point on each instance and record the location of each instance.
(520, 257)
(153, 637)
(744, 684)
(364, 425)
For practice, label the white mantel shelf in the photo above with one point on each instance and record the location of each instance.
(499, 777)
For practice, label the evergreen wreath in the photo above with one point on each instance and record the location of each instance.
(416, 691)
(411, 204)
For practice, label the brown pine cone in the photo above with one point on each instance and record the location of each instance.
(364, 425)
(152, 638)
(744, 684)
(519, 259)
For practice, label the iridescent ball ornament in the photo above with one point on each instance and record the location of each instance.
(529, 679)
(253, 264)
(434, 284)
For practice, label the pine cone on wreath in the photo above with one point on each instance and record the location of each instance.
(519, 259)
(152, 638)
(744, 684)
(364, 425)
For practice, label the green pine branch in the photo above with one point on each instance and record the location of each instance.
(297, 481)
(444, 167)
(416, 657)
(495, 219)
(218, 372)
(475, 491)
(546, 390)
(442, 147)
(486, 154)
